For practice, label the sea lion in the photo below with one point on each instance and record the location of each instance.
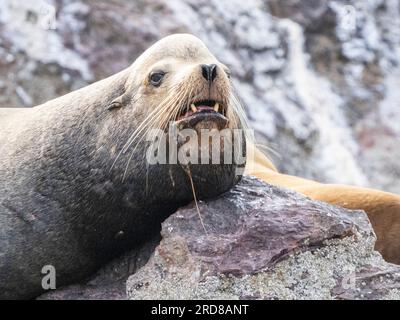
(76, 188)
(382, 208)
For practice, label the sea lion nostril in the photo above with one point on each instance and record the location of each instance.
(209, 71)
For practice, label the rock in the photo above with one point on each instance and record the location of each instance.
(264, 242)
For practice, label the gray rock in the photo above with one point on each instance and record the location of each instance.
(263, 242)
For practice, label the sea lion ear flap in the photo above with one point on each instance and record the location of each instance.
(118, 102)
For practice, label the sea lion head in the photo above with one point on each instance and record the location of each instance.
(179, 79)
(164, 101)
(178, 83)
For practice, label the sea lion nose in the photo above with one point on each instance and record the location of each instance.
(209, 72)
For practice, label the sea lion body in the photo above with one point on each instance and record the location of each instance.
(64, 199)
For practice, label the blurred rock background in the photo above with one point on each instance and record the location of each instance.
(320, 79)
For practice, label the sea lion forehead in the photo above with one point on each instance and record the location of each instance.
(184, 46)
(177, 46)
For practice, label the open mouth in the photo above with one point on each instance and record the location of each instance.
(201, 107)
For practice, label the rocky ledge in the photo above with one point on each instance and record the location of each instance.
(258, 242)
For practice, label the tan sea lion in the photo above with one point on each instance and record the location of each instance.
(382, 208)
(76, 188)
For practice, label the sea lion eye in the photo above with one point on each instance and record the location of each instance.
(156, 78)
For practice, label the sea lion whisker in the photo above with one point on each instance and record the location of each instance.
(148, 122)
(239, 112)
(132, 136)
(152, 116)
(180, 105)
(268, 148)
(186, 168)
(163, 118)
(165, 107)
(175, 107)
(142, 137)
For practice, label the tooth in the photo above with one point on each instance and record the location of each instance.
(216, 107)
(193, 107)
